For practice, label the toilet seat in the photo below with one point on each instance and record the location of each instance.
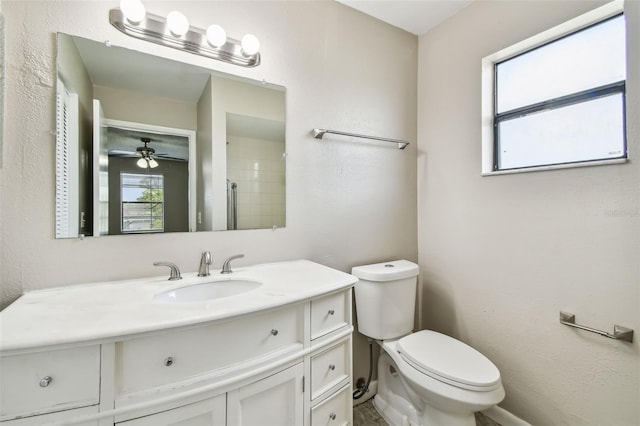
(449, 360)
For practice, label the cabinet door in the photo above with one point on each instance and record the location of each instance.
(210, 412)
(274, 401)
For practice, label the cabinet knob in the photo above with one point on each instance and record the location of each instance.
(331, 312)
(332, 367)
(332, 416)
(168, 361)
(45, 381)
(274, 332)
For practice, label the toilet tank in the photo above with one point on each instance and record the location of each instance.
(386, 298)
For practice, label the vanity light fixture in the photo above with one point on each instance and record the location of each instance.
(174, 31)
(178, 23)
(133, 10)
(250, 44)
(216, 35)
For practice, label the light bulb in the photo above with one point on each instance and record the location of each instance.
(153, 163)
(216, 36)
(133, 10)
(178, 23)
(250, 44)
(142, 163)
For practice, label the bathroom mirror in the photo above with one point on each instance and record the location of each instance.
(146, 144)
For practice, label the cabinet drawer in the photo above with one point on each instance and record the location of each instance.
(173, 356)
(335, 411)
(329, 368)
(210, 412)
(61, 417)
(328, 314)
(45, 382)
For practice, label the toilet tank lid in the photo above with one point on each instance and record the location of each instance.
(386, 271)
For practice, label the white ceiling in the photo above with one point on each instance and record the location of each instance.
(414, 16)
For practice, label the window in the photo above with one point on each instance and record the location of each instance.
(142, 202)
(558, 99)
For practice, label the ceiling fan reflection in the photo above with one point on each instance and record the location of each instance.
(146, 154)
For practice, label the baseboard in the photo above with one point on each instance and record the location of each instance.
(371, 392)
(503, 417)
(499, 414)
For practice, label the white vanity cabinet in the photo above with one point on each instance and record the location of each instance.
(288, 366)
(282, 364)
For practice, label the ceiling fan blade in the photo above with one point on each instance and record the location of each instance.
(168, 157)
(122, 153)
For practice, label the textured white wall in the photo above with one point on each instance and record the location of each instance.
(347, 203)
(500, 256)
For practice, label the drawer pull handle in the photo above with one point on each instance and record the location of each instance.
(332, 367)
(331, 312)
(45, 382)
(332, 416)
(168, 361)
(274, 332)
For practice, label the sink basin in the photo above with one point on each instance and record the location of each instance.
(208, 290)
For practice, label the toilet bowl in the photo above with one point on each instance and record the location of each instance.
(424, 378)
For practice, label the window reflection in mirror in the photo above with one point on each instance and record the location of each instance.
(118, 110)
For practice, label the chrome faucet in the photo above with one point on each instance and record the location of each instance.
(226, 266)
(205, 262)
(175, 271)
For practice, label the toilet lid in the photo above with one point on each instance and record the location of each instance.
(452, 361)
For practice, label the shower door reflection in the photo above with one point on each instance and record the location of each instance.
(256, 165)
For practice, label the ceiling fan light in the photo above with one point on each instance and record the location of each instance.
(142, 163)
(153, 163)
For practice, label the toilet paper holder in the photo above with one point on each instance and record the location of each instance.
(619, 332)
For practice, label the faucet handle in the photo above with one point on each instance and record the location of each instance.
(226, 266)
(175, 271)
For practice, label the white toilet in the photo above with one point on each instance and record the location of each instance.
(424, 378)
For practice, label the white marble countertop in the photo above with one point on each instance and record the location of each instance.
(104, 311)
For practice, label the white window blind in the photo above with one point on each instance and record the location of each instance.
(67, 220)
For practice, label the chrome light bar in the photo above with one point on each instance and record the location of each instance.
(154, 28)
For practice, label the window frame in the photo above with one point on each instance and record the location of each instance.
(491, 119)
(122, 204)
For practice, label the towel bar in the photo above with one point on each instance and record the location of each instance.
(619, 332)
(319, 134)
